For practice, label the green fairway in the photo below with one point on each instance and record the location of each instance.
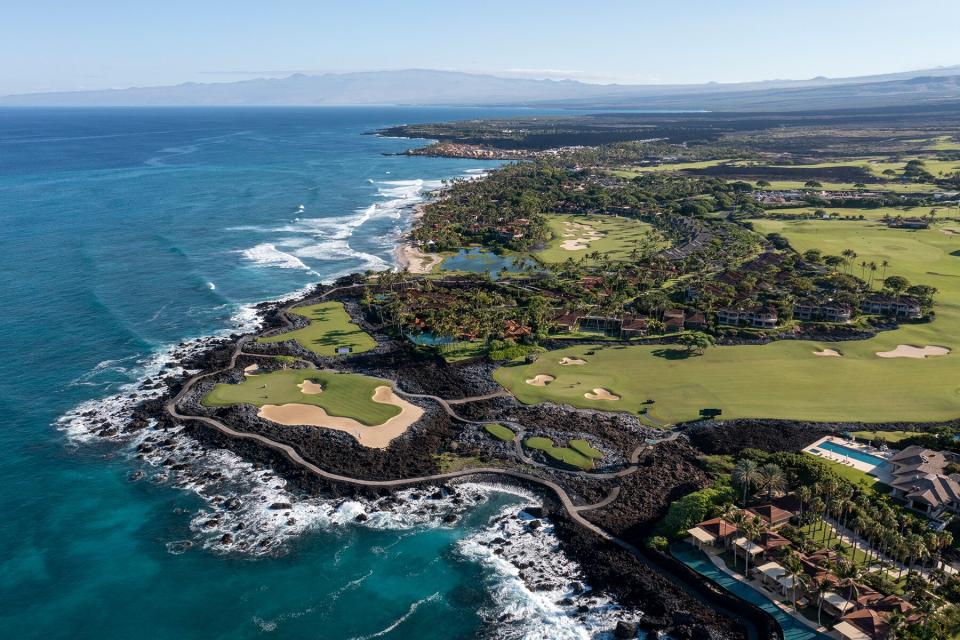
(784, 379)
(895, 187)
(569, 455)
(500, 432)
(630, 172)
(344, 394)
(611, 236)
(330, 327)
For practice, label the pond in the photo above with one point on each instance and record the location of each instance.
(427, 339)
(478, 260)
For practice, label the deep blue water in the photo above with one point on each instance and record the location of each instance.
(125, 231)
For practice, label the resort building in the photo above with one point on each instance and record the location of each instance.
(902, 307)
(920, 479)
(715, 532)
(770, 515)
(823, 311)
(865, 624)
(634, 326)
(760, 317)
(567, 321)
(674, 319)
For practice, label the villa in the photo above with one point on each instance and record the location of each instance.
(865, 624)
(713, 532)
(759, 318)
(920, 479)
(770, 515)
(826, 311)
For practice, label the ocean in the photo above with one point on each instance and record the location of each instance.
(127, 232)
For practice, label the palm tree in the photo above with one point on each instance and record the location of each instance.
(745, 475)
(803, 495)
(884, 265)
(848, 572)
(740, 520)
(823, 588)
(794, 568)
(772, 478)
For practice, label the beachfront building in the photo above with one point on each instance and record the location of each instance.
(822, 310)
(865, 624)
(771, 516)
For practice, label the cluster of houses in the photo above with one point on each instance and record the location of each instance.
(865, 616)
(628, 326)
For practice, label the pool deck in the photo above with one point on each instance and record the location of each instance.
(880, 473)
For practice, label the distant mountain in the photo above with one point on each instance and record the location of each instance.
(425, 87)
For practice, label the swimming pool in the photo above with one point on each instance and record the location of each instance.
(696, 560)
(865, 458)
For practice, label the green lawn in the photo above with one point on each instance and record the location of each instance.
(576, 457)
(895, 187)
(784, 379)
(886, 436)
(620, 237)
(847, 473)
(500, 432)
(346, 395)
(630, 172)
(583, 447)
(330, 327)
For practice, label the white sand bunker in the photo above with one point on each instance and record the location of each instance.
(251, 370)
(828, 353)
(582, 234)
(375, 437)
(601, 394)
(951, 232)
(565, 361)
(909, 351)
(310, 387)
(541, 380)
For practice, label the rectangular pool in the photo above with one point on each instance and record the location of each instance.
(865, 458)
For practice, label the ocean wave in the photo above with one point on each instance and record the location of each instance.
(537, 591)
(399, 621)
(268, 254)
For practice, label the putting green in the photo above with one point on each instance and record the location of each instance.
(576, 236)
(330, 327)
(500, 432)
(580, 455)
(784, 379)
(345, 395)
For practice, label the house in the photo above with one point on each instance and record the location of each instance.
(775, 577)
(920, 478)
(713, 532)
(865, 624)
(635, 326)
(566, 321)
(759, 317)
(696, 321)
(836, 605)
(674, 319)
(902, 307)
(824, 311)
(512, 329)
(770, 515)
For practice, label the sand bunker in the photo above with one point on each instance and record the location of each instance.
(565, 361)
(541, 380)
(950, 232)
(251, 370)
(375, 437)
(601, 394)
(909, 351)
(828, 353)
(310, 387)
(582, 235)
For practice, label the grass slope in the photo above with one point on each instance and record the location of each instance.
(886, 436)
(784, 379)
(500, 432)
(344, 394)
(330, 327)
(621, 236)
(570, 455)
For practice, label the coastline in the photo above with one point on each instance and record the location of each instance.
(408, 257)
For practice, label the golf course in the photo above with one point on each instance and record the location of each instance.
(784, 379)
(330, 328)
(575, 236)
(339, 394)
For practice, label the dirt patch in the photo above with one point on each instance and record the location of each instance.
(909, 351)
(540, 380)
(601, 394)
(376, 437)
(828, 353)
(565, 361)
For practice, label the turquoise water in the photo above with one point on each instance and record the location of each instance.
(698, 561)
(866, 458)
(477, 260)
(127, 231)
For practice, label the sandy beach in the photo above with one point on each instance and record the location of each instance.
(409, 257)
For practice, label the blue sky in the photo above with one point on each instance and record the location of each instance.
(92, 44)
